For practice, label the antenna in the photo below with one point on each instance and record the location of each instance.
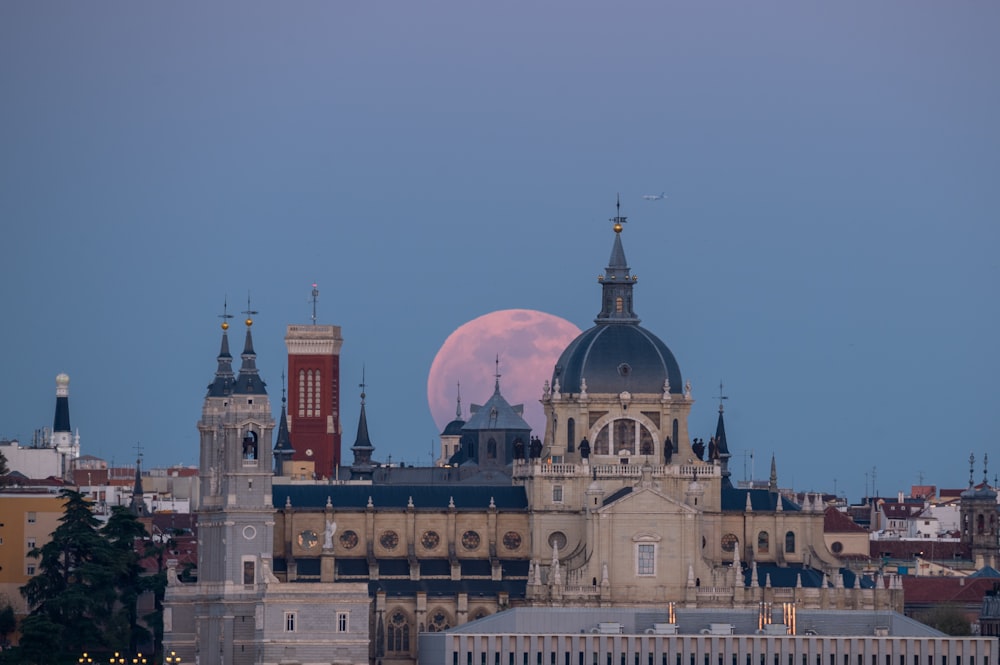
(315, 296)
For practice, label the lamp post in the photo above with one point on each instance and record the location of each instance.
(85, 658)
(172, 658)
(139, 659)
(117, 659)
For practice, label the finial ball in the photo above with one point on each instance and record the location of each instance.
(225, 326)
(618, 227)
(249, 322)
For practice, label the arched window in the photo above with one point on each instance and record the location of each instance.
(619, 305)
(309, 393)
(302, 393)
(491, 448)
(601, 442)
(790, 542)
(398, 634)
(480, 613)
(624, 435)
(570, 435)
(645, 441)
(763, 542)
(439, 621)
(980, 524)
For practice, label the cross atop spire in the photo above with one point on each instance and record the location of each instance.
(496, 375)
(458, 401)
(972, 467)
(362, 385)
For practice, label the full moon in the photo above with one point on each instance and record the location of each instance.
(528, 343)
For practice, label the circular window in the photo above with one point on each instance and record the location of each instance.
(470, 540)
(837, 547)
(389, 540)
(557, 539)
(349, 540)
(249, 532)
(308, 539)
(430, 539)
(729, 542)
(512, 540)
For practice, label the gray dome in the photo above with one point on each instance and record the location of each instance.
(454, 428)
(616, 357)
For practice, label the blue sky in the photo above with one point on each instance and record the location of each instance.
(828, 247)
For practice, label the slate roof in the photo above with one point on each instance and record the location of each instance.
(496, 414)
(938, 590)
(474, 588)
(397, 496)
(788, 576)
(735, 500)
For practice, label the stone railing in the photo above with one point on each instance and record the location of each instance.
(528, 469)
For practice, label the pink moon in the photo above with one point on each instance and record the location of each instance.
(528, 342)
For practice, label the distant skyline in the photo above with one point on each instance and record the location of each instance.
(826, 248)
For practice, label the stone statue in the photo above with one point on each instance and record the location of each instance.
(687, 390)
(668, 450)
(331, 528)
(713, 449)
(536, 448)
(698, 447)
(584, 449)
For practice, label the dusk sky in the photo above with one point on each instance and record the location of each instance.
(827, 247)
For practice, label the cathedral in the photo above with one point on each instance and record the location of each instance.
(613, 506)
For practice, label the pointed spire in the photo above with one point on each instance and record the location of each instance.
(772, 483)
(362, 448)
(138, 506)
(222, 385)
(283, 441)
(721, 447)
(458, 401)
(616, 281)
(972, 469)
(249, 381)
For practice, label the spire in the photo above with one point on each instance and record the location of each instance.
(222, 385)
(772, 483)
(616, 306)
(362, 448)
(458, 402)
(721, 447)
(138, 506)
(61, 421)
(283, 442)
(249, 381)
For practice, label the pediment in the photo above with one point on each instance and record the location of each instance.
(649, 501)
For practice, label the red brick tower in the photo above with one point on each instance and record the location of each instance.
(314, 396)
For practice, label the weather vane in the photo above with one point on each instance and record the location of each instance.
(722, 396)
(362, 385)
(618, 219)
(249, 312)
(225, 313)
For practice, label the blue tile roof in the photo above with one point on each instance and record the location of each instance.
(466, 497)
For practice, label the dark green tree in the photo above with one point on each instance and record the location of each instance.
(73, 594)
(4, 470)
(124, 533)
(8, 623)
(949, 619)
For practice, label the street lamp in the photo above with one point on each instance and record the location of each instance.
(173, 658)
(139, 659)
(117, 659)
(85, 658)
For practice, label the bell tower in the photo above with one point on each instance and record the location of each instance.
(314, 393)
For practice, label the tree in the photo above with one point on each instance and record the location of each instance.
(8, 622)
(4, 469)
(949, 619)
(73, 595)
(122, 531)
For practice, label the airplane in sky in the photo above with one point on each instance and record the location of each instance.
(654, 197)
